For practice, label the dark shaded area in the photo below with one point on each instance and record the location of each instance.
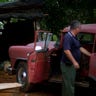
(55, 62)
(20, 33)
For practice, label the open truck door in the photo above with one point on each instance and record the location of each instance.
(92, 66)
(42, 66)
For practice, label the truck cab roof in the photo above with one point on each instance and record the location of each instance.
(86, 28)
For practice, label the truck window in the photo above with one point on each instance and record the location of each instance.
(42, 36)
(43, 40)
(86, 38)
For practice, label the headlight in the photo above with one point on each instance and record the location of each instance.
(28, 54)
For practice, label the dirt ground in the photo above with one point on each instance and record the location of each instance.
(43, 90)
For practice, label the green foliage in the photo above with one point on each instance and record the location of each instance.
(62, 12)
(15, 20)
(4, 0)
(55, 38)
(1, 25)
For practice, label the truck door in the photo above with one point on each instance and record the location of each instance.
(42, 65)
(92, 64)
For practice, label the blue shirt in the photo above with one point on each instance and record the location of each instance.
(71, 43)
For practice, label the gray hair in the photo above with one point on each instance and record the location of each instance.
(75, 24)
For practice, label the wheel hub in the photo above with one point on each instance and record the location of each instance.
(22, 75)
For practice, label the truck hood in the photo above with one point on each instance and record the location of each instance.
(23, 51)
(51, 44)
(20, 51)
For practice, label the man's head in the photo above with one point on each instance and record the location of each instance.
(75, 26)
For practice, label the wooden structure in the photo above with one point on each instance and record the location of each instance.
(30, 10)
(22, 9)
(9, 85)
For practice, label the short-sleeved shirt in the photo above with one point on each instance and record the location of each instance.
(71, 43)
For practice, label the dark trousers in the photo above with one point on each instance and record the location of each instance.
(68, 75)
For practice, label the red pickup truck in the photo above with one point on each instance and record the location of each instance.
(40, 61)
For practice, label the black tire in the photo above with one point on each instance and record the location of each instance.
(22, 76)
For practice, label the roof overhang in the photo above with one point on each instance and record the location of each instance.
(29, 10)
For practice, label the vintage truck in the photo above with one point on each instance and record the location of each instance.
(40, 61)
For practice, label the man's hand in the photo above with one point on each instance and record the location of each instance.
(76, 65)
(66, 29)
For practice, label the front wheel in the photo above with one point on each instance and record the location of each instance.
(22, 76)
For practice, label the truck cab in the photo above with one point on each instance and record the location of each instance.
(87, 38)
(40, 61)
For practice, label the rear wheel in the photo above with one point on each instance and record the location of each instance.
(22, 76)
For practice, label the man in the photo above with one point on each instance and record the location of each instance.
(71, 58)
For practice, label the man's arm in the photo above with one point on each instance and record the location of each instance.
(84, 51)
(71, 58)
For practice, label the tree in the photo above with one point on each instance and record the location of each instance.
(62, 12)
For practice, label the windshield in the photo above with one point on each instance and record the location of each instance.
(42, 36)
(43, 40)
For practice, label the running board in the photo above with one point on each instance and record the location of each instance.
(58, 79)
